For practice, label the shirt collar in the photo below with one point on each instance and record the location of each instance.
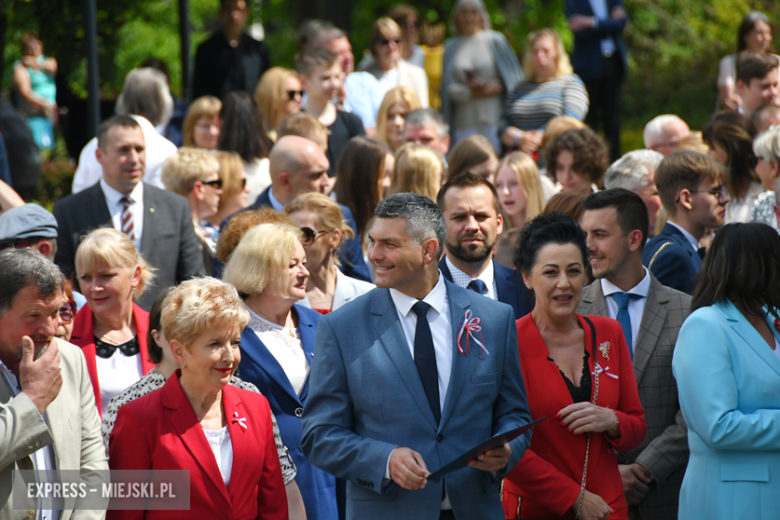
(486, 276)
(278, 206)
(114, 196)
(688, 236)
(436, 298)
(640, 289)
(10, 377)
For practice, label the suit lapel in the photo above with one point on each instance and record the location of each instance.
(98, 207)
(255, 349)
(238, 436)
(384, 318)
(594, 302)
(308, 333)
(460, 364)
(445, 270)
(653, 319)
(750, 335)
(148, 231)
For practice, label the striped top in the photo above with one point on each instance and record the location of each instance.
(531, 105)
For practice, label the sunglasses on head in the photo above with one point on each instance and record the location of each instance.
(386, 42)
(309, 235)
(68, 311)
(216, 183)
(292, 93)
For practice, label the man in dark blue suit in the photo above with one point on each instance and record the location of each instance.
(471, 210)
(298, 165)
(690, 185)
(600, 59)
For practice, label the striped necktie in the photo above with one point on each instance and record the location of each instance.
(127, 217)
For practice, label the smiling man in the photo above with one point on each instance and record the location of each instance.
(651, 315)
(470, 207)
(394, 394)
(159, 222)
(757, 79)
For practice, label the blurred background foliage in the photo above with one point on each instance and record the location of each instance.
(674, 45)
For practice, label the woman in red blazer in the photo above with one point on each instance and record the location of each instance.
(578, 373)
(196, 422)
(110, 329)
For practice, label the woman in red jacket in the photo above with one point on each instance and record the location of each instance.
(110, 329)
(222, 435)
(578, 373)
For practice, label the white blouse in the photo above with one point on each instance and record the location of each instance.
(115, 374)
(286, 347)
(219, 441)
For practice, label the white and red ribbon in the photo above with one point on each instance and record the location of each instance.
(599, 370)
(470, 326)
(240, 420)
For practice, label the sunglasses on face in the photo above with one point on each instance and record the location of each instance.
(386, 42)
(68, 311)
(292, 94)
(216, 183)
(309, 235)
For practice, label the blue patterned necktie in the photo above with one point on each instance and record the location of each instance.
(622, 299)
(478, 286)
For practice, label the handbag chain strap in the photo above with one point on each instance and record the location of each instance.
(595, 398)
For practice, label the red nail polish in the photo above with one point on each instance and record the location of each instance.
(558, 415)
(561, 424)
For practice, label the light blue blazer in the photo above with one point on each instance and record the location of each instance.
(366, 398)
(729, 385)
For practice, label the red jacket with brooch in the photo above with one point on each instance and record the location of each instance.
(549, 475)
(84, 337)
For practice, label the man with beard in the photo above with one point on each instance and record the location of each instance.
(48, 418)
(471, 210)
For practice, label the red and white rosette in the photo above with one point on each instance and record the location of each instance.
(470, 327)
(240, 420)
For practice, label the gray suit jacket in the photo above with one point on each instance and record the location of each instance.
(665, 448)
(73, 430)
(168, 242)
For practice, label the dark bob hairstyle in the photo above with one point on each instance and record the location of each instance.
(155, 350)
(743, 266)
(548, 228)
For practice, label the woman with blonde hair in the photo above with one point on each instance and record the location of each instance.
(201, 124)
(550, 89)
(267, 268)
(323, 227)
(521, 196)
(384, 42)
(110, 329)
(390, 119)
(475, 155)
(235, 192)
(417, 170)
(278, 95)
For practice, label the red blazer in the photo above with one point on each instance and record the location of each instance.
(84, 337)
(160, 431)
(549, 475)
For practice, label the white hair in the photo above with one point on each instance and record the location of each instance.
(655, 128)
(766, 145)
(146, 94)
(631, 171)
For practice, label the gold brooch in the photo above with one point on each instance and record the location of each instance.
(604, 349)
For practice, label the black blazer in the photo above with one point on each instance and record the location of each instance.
(509, 284)
(168, 242)
(586, 58)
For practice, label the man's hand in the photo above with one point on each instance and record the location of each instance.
(40, 379)
(481, 89)
(636, 482)
(580, 22)
(493, 460)
(618, 13)
(408, 469)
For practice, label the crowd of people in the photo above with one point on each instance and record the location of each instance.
(334, 282)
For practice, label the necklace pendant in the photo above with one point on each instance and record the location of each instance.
(604, 349)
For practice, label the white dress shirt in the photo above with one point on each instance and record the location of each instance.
(43, 459)
(636, 308)
(462, 279)
(601, 12)
(688, 236)
(115, 207)
(219, 442)
(115, 374)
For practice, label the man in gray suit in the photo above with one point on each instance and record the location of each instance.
(651, 315)
(48, 418)
(158, 221)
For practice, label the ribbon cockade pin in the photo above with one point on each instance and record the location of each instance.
(470, 327)
(240, 420)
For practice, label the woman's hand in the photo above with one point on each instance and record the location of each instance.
(582, 418)
(480, 89)
(529, 141)
(593, 507)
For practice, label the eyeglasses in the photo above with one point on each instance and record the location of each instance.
(216, 183)
(719, 192)
(386, 42)
(291, 94)
(309, 235)
(207, 126)
(68, 311)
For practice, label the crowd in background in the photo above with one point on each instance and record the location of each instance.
(203, 246)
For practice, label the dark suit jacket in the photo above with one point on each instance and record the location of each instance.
(168, 242)
(665, 448)
(350, 254)
(586, 58)
(510, 287)
(678, 264)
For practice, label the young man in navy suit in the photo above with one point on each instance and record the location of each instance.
(471, 210)
(690, 185)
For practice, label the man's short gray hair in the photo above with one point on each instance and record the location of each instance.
(146, 93)
(424, 116)
(631, 171)
(655, 128)
(22, 267)
(423, 217)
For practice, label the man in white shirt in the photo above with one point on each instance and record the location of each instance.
(651, 315)
(48, 418)
(757, 80)
(427, 127)
(396, 391)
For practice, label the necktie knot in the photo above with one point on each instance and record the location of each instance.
(421, 309)
(478, 286)
(622, 299)
(126, 201)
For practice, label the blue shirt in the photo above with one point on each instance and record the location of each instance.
(600, 11)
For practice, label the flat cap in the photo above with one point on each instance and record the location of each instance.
(27, 221)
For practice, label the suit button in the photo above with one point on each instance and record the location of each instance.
(31, 513)
(31, 448)
(439, 438)
(298, 412)
(37, 444)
